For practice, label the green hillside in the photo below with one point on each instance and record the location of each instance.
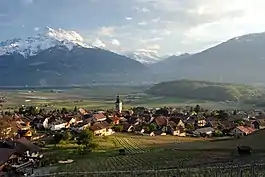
(202, 90)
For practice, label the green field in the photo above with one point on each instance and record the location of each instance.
(102, 97)
(145, 153)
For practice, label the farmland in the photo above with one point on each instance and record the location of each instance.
(98, 98)
(151, 156)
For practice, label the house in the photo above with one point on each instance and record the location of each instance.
(126, 127)
(175, 129)
(243, 130)
(206, 131)
(24, 133)
(178, 121)
(259, 124)
(100, 117)
(213, 124)
(101, 129)
(6, 156)
(201, 121)
(23, 146)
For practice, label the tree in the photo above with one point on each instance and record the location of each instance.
(75, 109)
(57, 138)
(152, 127)
(67, 135)
(197, 109)
(86, 138)
(64, 111)
(222, 114)
(190, 127)
(118, 128)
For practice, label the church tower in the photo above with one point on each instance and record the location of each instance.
(118, 104)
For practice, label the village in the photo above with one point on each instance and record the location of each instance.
(25, 131)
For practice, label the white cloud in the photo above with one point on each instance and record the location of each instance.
(98, 43)
(128, 18)
(36, 29)
(185, 25)
(156, 20)
(141, 10)
(153, 47)
(151, 40)
(106, 31)
(142, 23)
(115, 42)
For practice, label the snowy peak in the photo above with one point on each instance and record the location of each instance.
(48, 39)
(62, 35)
(144, 56)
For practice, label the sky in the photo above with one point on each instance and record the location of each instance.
(164, 27)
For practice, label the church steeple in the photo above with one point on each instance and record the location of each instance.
(118, 104)
(118, 99)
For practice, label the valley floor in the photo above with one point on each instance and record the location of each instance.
(99, 98)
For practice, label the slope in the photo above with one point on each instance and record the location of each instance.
(240, 60)
(202, 90)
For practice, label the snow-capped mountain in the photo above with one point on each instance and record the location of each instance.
(144, 56)
(48, 39)
(59, 57)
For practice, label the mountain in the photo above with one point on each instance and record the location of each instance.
(144, 56)
(170, 62)
(240, 59)
(59, 57)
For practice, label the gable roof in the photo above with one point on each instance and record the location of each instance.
(246, 129)
(175, 119)
(99, 116)
(100, 126)
(204, 130)
(161, 121)
(5, 154)
(22, 145)
(260, 121)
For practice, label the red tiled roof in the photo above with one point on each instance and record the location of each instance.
(99, 126)
(161, 120)
(99, 116)
(245, 129)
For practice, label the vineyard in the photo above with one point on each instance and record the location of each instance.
(253, 170)
(141, 159)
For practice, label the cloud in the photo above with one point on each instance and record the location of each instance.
(151, 40)
(128, 18)
(106, 31)
(156, 20)
(153, 47)
(36, 29)
(142, 23)
(98, 43)
(141, 10)
(115, 42)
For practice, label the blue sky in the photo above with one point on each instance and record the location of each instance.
(161, 26)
